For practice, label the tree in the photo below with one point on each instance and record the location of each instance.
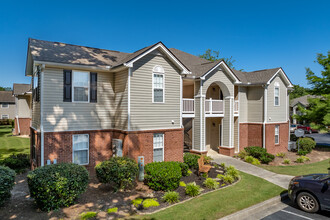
(214, 56)
(5, 88)
(298, 91)
(320, 85)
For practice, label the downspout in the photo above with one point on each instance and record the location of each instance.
(201, 116)
(16, 103)
(129, 98)
(265, 118)
(42, 139)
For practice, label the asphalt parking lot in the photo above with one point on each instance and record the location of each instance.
(292, 212)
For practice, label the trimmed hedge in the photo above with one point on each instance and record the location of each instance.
(163, 176)
(57, 185)
(122, 171)
(306, 145)
(7, 181)
(260, 153)
(184, 168)
(191, 160)
(17, 162)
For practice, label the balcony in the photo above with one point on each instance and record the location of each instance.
(213, 106)
(188, 107)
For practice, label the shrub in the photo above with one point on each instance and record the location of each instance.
(232, 171)
(255, 161)
(300, 160)
(205, 175)
(163, 176)
(121, 171)
(183, 184)
(249, 159)
(281, 154)
(191, 160)
(211, 183)
(242, 154)
(137, 202)
(192, 189)
(306, 144)
(57, 185)
(260, 153)
(207, 159)
(302, 152)
(184, 169)
(149, 203)
(17, 162)
(266, 158)
(223, 165)
(306, 158)
(88, 215)
(287, 161)
(293, 137)
(189, 172)
(171, 197)
(7, 181)
(226, 178)
(112, 210)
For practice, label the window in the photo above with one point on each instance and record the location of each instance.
(158, 147)
(5, 105)
(80, 149)
(277, 94)
(80, 86)
(158, 84)
(4, 116)
(277, 134)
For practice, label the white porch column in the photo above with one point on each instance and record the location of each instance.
(228, 123)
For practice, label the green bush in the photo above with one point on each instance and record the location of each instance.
(249, 159)
(149, 203)
(287, 161)
(182, 183)
(266, 158)
(192, 189)
(211, 183)
(136, 202)
(184, 169)
(57, 185)
(232, 171)
(17, 162)
(112, 210)
(88, 215)
(260, 153)
(300, 160)
(121, 171)
(306, 144)
(171, 197)
(281, 154)
(7, 181)
(302, 152)
(163, 176)
(191, 160)
(255, 161)
(242, 154)
(226, 178)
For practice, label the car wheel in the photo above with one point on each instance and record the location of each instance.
(307, 202)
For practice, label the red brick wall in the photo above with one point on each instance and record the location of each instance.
(270, 138)
(58, 145)
(250, 134)
(24, 126)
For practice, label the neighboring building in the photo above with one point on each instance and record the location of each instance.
(88, 100)
(300, 101)
(7, 105)
(23, 97)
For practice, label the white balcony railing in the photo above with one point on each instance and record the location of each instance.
(236, 107)
(213, 106)
(188, 106)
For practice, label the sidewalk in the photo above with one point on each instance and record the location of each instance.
(278, 179)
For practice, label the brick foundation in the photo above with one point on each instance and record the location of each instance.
(227, 151)
(58, 145)
(251, 134)
(24, 126)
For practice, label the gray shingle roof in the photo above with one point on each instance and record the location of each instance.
(303, 100)
(256, 77)
(7, 97)
(19, 89)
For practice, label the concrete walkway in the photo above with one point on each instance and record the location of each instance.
(278, 179)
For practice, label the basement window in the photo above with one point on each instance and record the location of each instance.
(277, 134)
(80, 149)
(158, 148)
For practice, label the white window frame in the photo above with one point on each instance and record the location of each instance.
(277, 86)
(4, 115)
(277, 134)
(73, 76)
(153, 146)
(80, 150)
(158, 70)
(5, 104)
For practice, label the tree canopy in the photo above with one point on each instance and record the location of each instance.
(298, 91)
(5, 88)
(214, 55)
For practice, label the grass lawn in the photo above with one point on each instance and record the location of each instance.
(249, 191)
(10, 144)
(297, 170)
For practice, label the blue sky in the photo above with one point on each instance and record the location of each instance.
(257, 34)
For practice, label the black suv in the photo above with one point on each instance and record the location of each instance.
(311, 192)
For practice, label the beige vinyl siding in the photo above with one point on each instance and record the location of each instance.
(36, 115)
(222, 80)
(236, 133)
(243, 105)
(144, 113)
(120, 100)
(62, 116)
(23, 107)
(277, 113)
(197, 126)
(255, 103)
(226, 133)
(10, 111)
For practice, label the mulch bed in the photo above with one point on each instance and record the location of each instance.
(98, 198)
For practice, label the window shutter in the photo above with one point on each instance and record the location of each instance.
(93, 87)
(67, 85)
